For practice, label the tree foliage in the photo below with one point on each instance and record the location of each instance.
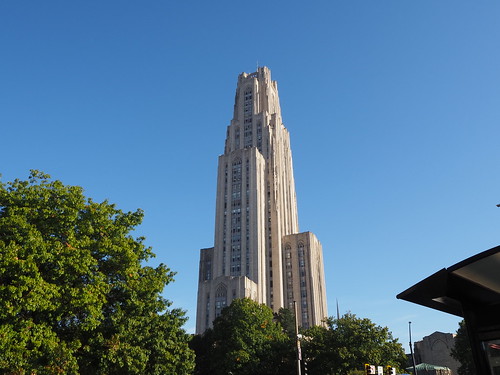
(347, 343)
(462, 351)
(245, 339)
(74, 295)
(286, 318)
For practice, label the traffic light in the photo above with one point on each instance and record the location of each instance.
(369, 369)
(389, 370)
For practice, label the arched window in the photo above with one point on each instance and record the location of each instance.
(288, 257)
(301, 255)
(220, 299)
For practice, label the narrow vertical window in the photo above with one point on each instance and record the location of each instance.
(236, 137)
(303, 285)
(247, 118)
(220, 299)
(207, 310)
(288, 274)
(235, 269)
(259, 136)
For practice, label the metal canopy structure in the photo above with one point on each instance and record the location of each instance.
(470, 289)
(474, 281)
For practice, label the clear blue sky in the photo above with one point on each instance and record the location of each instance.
(393, 110)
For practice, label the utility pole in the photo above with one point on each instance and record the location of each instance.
(297, 338)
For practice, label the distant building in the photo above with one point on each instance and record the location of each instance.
(258, 251)
(435, 349)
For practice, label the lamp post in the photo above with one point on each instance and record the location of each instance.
(411, 351)
(297, 338)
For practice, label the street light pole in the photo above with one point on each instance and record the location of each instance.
(299, 353)
(411, 351)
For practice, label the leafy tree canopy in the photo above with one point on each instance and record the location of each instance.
(74, 295)
(462, 351)
(347, 343)
(286, 318)
(245, 339)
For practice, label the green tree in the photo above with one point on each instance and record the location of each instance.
(74, 294)
(245, 339)
(462, 351)
(286, 319)
(347, 343)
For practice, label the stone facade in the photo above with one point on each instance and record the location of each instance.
(435, 349)
(258, 251)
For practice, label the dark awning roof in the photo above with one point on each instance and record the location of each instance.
(427, 366)
(475, 280)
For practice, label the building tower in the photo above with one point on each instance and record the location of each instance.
(258, 251)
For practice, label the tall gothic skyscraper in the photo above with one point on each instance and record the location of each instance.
(258, 251)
